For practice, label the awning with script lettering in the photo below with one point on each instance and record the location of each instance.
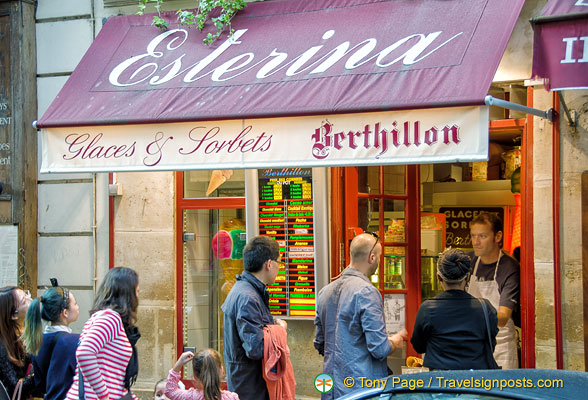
(292, 58)
(560, 47)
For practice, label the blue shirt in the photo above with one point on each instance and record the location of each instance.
(351, 332)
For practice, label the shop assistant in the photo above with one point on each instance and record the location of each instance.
(496, 277)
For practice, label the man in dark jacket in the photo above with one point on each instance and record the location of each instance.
(246, 312)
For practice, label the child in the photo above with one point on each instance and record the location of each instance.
(159, 391)
(207, 370)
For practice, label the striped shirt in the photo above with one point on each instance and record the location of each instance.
(102, 356)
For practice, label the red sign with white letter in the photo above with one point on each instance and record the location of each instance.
(301, 83)
(294, 57)
(560, 48)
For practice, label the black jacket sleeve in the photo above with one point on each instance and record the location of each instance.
(422, 330)
(11, 373)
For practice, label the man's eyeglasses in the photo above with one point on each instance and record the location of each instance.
(374, 234)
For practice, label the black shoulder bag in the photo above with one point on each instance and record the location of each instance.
(489, 355)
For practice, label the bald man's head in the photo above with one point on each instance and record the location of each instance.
(360, 248)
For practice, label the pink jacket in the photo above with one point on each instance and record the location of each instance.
(277, 369)
(173, 392)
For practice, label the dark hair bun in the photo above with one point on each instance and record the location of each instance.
(454, 265)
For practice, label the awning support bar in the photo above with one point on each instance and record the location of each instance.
(492, 101)
(573, 116)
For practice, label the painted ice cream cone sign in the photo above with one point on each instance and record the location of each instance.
(218, 177)
(227, 246)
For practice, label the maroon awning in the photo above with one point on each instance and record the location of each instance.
(289, 58)
(560, 47)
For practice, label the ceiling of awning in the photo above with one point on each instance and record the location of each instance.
(290, 58)
(560, 45)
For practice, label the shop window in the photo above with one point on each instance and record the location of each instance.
(214, 183)
(211, 236)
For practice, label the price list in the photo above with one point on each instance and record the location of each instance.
(286, 214)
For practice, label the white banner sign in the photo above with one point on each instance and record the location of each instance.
(395, 137)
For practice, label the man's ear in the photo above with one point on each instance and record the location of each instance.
(498, 237)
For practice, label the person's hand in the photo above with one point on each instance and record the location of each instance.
(397, 339)
(184, 359)
(282, 323)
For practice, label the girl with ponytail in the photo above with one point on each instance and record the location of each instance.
(53, 347)
(207, 368)
(451, 328)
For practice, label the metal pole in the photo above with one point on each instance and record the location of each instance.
(571, 116)
(492, 101)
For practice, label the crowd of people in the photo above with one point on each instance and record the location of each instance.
(467, 326)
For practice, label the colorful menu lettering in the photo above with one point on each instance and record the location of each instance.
(286, 214)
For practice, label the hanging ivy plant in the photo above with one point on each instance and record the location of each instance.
(228, 9)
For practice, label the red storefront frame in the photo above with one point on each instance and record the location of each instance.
(191, 204)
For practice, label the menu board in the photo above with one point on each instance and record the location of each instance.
(286, 214)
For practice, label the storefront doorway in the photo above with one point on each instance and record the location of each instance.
(211, 230)
(419, 210)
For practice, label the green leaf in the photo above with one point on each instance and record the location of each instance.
(160, 23)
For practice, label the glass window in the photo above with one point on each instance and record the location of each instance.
(214, 183)
(394, 267)
(394, 221)
(394, 179)
(368, 180)
(430, 285)
(368, 214)
(211, 259)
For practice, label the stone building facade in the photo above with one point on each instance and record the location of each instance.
(73, 209)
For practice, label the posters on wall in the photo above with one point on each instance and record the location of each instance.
(8, 255)
(394, 312)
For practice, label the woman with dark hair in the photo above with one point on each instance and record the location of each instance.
(106, 356)
(451, 328)
(54, 347)
(14, 360)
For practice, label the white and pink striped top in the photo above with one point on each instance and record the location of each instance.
(102, 355)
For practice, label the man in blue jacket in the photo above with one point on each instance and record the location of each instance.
(246, 312)
(350, 328)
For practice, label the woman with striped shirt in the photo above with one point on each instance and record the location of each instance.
(106, 359)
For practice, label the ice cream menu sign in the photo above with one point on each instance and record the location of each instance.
(286, 214)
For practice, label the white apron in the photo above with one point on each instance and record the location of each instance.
(505, 352)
